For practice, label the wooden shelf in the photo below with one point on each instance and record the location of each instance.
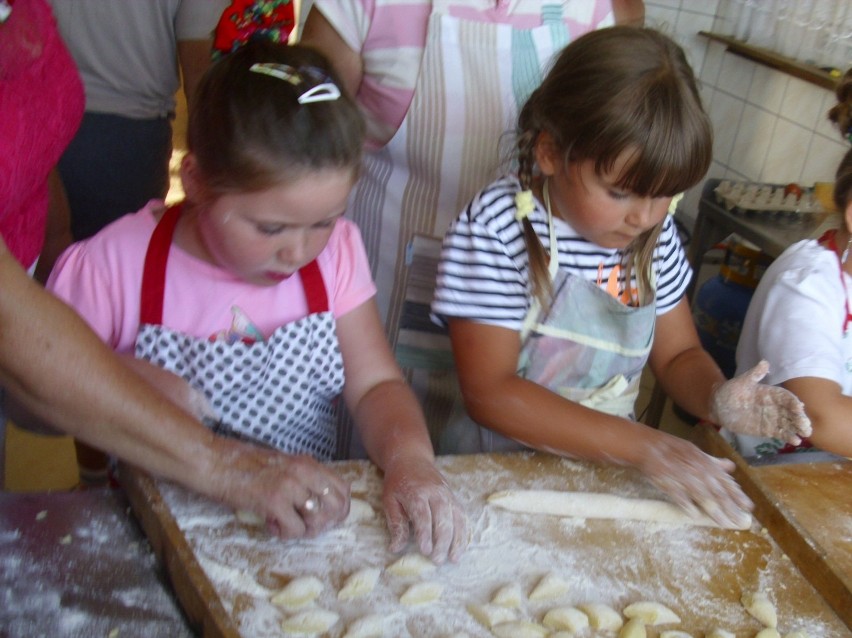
(806, 72)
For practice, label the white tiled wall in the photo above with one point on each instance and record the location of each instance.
(768, 126)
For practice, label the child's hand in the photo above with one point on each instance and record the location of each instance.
(695, 480)
(298, 496)
(743, 405)
(416, 498)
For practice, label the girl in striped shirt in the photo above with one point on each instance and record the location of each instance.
(559, 283)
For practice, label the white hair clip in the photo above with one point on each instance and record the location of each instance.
(324, 90)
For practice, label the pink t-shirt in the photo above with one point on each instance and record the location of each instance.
(41, 105)
(101, 278)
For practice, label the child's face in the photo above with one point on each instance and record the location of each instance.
(597, 208)
(264, 237)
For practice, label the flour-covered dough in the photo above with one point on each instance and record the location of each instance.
(299, 592)
(411, 565)
(422, 593)
(767, 632)
(310, 622)
(633, 628)
(359, 510)
(602, 616)
(598, 505)
(359, 583)
(370, 626)
(651, 613)
(566, 618)
(508, 596)
(490, 615)
(550, 586)
(759, 606)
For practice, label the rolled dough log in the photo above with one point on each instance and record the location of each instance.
(598, 505)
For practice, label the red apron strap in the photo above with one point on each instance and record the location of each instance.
(314, 286)
(154, 272)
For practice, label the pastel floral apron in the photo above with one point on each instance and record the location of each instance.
(586, 346)
(281, 391)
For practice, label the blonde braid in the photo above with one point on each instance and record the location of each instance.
(536, 254)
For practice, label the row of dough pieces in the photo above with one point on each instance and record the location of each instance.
(500, 616)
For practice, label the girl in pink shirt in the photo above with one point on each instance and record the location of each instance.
(257, 294)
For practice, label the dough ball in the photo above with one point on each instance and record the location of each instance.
(550, 586)
(359, 583)
(371, 626)
(633, 628)
(602, 616)
(312, 621)
(299, 592)
(567, 618)
(651, 613)
(760, 607)
(508, 596)
(422, 593)
(490, 615)
(411, 565)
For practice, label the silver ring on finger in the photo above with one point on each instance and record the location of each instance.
(312, 504)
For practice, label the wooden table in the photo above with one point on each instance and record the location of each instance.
(808, 509)
(224, 571)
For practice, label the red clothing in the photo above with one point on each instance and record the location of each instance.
(41, 102)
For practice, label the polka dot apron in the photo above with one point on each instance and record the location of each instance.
(281, 392)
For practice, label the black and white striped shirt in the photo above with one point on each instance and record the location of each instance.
(484, 276)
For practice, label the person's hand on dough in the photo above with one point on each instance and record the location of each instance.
(696, 481)
(418, 501)
(298, 496)
(743, 405)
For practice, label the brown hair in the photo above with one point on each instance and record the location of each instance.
(249, 132)
(611, 91)
(841, 113)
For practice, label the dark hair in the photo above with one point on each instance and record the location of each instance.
(613, 91)
(841, 113)
(248, 130)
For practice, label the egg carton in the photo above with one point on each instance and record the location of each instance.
(769, 202)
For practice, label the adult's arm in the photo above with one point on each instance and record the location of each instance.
(57, 368)
(194, 58)
(830, 412)
(319, 34)
(630, 12)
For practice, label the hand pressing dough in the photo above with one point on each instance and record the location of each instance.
(550, 586)
(602, 616)
(422, 593)
(767, 632)
(298, 592)
(519, 629)
(597, 505)
(312, 621)
(359, 583)
(651, 613)
(758, 605)
(371, 626)
(359, 510)
(490, 615)
(633, 628)
(508, 596)
(567, 618)
(411, 565)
